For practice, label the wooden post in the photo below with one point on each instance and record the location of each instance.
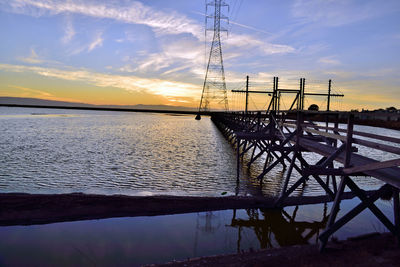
(238, 158)
(279, 100)
(303, 91)
(333, 179)
(336, 125)
(276, 95)
(396, 212)
(247, 93)
(273, 95)
(300, 95)
(336, 203)
(299, 132)
(349, 140)
(329, 94)
(252, 154)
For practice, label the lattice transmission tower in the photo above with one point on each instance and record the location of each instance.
(214, 94)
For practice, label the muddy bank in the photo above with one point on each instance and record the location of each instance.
(27, 209)
(368, 250)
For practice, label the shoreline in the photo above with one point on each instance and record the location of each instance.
(386, 124)
(367, 250)
(29, 209)
(167, 111)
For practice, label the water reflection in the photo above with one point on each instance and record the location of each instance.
(135, 241)
(207, 223)
(280, 226)
(271, 228)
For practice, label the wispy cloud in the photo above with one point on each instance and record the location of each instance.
(250, 42)
(134, 13)
(172, 90)
(386, 74)
(188, 54)
(182, 54)
(36, 92)
(330, 60)
(335, 13)
(69, 30)
(98, 41)
(29, 92)
(33, 58)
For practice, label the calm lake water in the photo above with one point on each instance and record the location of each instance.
(62, 151)
(58, 151)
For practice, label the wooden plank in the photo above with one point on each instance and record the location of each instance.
(330, 135)
(290, 125)
(253, 136)
(379, 137)
(372, 166)
(383, 147)
(369, 135)
(387, 175)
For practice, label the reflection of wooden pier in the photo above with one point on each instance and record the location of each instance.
(284, 138)
(284, 227)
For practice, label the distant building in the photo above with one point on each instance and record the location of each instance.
(388, 114)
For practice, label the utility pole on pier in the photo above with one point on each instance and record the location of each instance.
(276, 94)
(302, 89)
(214, 86)
(329, 94)
(247, 92)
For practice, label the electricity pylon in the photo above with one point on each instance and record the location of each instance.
(214, 87)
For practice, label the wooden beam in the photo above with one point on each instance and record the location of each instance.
(373, 166)
(330, 135)
(369, 135)
(383, 147)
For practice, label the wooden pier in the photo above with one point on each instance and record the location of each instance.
(283, 138)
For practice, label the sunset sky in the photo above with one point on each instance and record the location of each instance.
(152, 52)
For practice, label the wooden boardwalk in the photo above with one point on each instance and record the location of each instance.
(284, 138)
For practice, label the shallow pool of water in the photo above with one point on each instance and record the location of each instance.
(140, 240)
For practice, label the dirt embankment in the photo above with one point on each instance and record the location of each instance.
(26, 209)
(369, 250)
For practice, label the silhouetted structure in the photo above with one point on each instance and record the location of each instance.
(276, 93)
(284, 140)
(214, 87)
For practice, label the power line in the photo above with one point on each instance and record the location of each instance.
(214, 87)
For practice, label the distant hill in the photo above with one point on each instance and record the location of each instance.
(42, 102)
(39, 102)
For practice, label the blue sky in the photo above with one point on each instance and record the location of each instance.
(152, 52)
